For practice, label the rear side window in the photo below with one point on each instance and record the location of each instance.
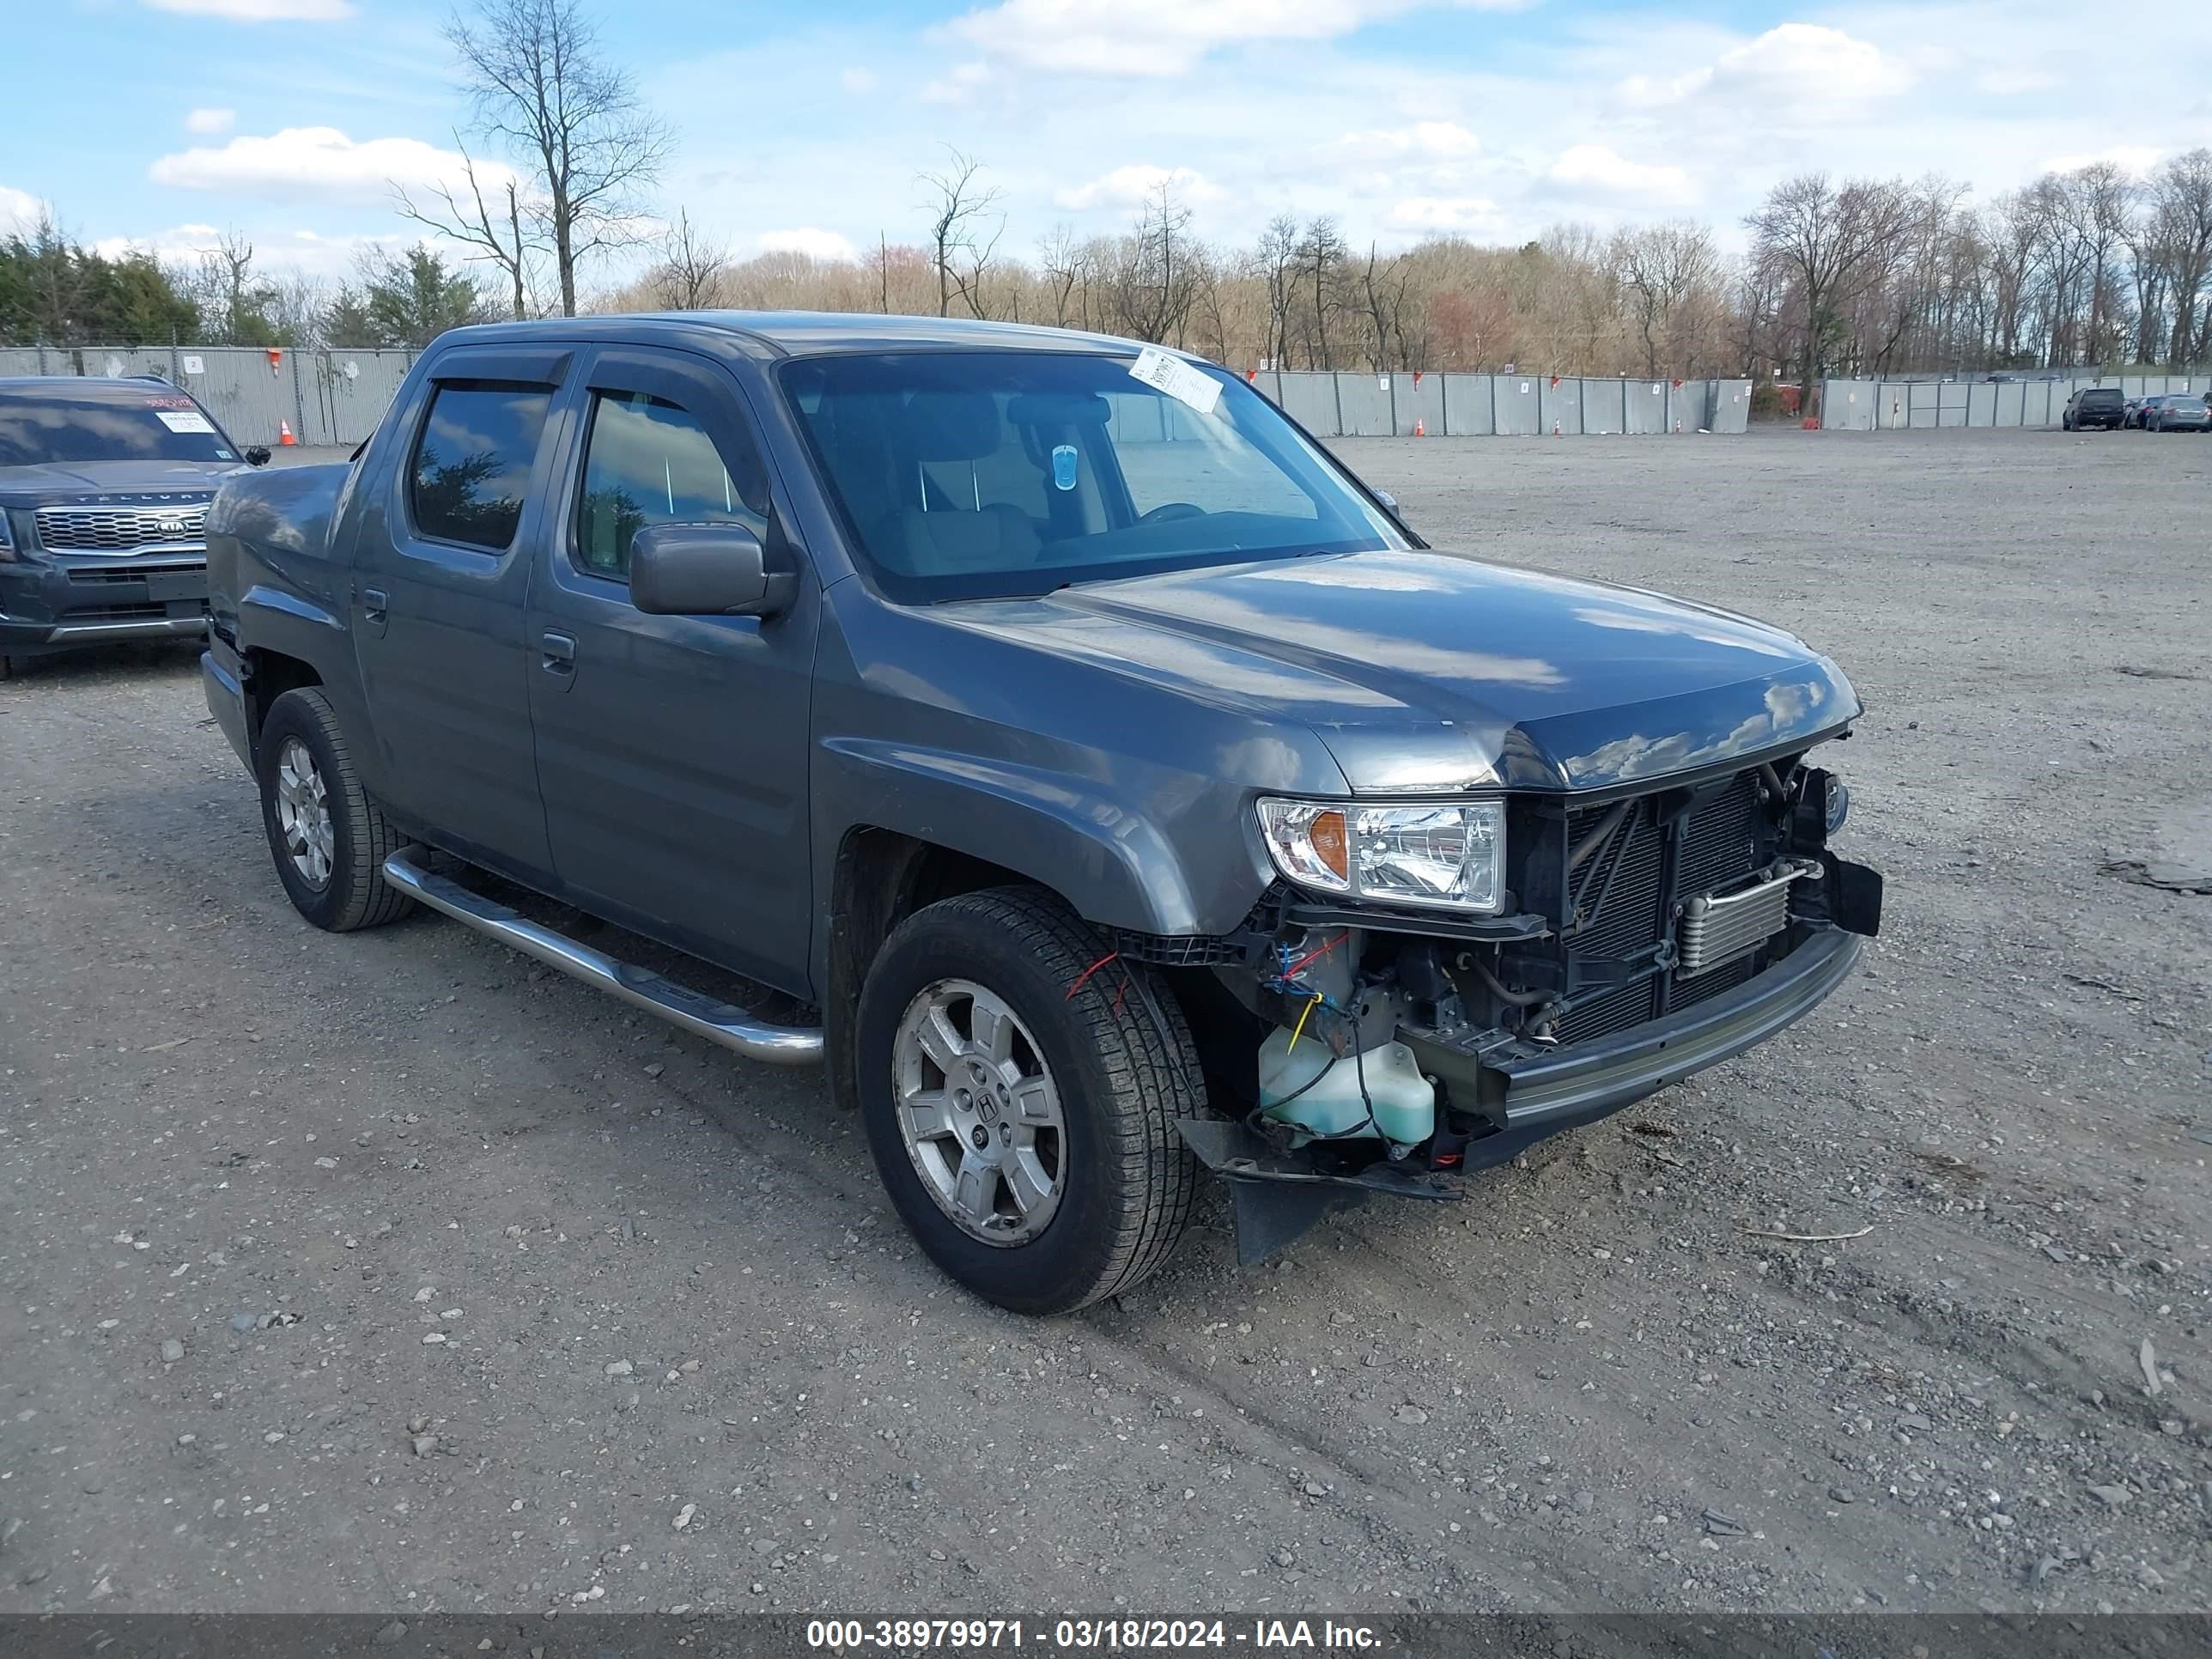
(473, 459)
(647, 461)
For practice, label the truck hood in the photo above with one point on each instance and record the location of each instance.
(1424, 671)
(79, 481)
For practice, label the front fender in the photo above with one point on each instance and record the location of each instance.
(1115, 866)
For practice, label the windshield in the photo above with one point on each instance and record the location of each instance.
(2183, 405)
(47, 425)
(2108, 395)
(974, 474)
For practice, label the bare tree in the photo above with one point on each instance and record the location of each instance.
(491, 233)
(689, 275)
(1831, 245)
(1384, 299)
(1063, 263)
(1154, 280)
(964, 229)
(1276, 261)
(2181, 207)
(236, 302)
(539, 84)
(1320, 253)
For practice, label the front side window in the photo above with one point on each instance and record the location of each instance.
(647, 461)
(472, 462)
(976, 474)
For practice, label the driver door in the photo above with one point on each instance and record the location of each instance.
(672, 751)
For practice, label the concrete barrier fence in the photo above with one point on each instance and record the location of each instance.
(332, 396)
(323, 397)
(1886, 406)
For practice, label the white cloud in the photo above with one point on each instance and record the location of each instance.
(260, 11)
(19, 211)
(1130, 186)
(316, 163)
(815, 243)
(2136, 159)
(1165, 37)
(961, 84)
(859, 80)
(210, 121)
(1595, 168)
(1444, 213)
(178, 243)
(1438, 140)
(2013, 83)
(1790, 70)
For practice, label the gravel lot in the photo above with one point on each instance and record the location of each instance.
(393, 1273)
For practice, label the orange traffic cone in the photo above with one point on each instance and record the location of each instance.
(284, 437)
(1420, 428)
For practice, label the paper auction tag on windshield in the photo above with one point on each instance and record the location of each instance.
(183, 420)
(1177, 379)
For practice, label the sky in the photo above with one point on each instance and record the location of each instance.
(804, 122)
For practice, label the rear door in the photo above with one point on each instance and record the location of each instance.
(672, 751)
(442, 564)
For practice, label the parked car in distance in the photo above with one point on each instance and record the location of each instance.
(2179, 411)
(2140, 408)
(1134, 793)
(2091, 406)
(104, 486)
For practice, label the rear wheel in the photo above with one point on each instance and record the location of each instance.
(1022, 1114)
(327, 838)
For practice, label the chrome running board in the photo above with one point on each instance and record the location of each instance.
(703, 1017)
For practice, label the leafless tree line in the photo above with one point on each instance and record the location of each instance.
(2090, 267)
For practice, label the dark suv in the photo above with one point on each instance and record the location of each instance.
(2095, 405)
(103, 491)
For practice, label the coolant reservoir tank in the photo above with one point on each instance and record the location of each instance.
(1405, 1101)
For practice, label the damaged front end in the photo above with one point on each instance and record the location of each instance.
(1633, 936)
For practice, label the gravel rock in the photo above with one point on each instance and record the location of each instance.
(171, 1350)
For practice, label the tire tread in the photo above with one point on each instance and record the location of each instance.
(1138, 1034)
(369, 901)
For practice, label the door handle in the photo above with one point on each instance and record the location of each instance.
(374, 607)
(557, 655)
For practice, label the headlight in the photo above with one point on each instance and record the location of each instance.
(1447, 857)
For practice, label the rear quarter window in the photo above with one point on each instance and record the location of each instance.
(472, 461)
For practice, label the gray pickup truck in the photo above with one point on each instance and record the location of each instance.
(1134, 793)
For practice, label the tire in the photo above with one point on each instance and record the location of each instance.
(1120, 1066)
(349, 847)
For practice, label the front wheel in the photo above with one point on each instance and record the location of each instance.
(327, 838)
(1020, 1100)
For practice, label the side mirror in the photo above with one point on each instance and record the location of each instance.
(701, 570)
(257, 454)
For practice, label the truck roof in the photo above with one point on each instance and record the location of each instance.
(798, 333)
